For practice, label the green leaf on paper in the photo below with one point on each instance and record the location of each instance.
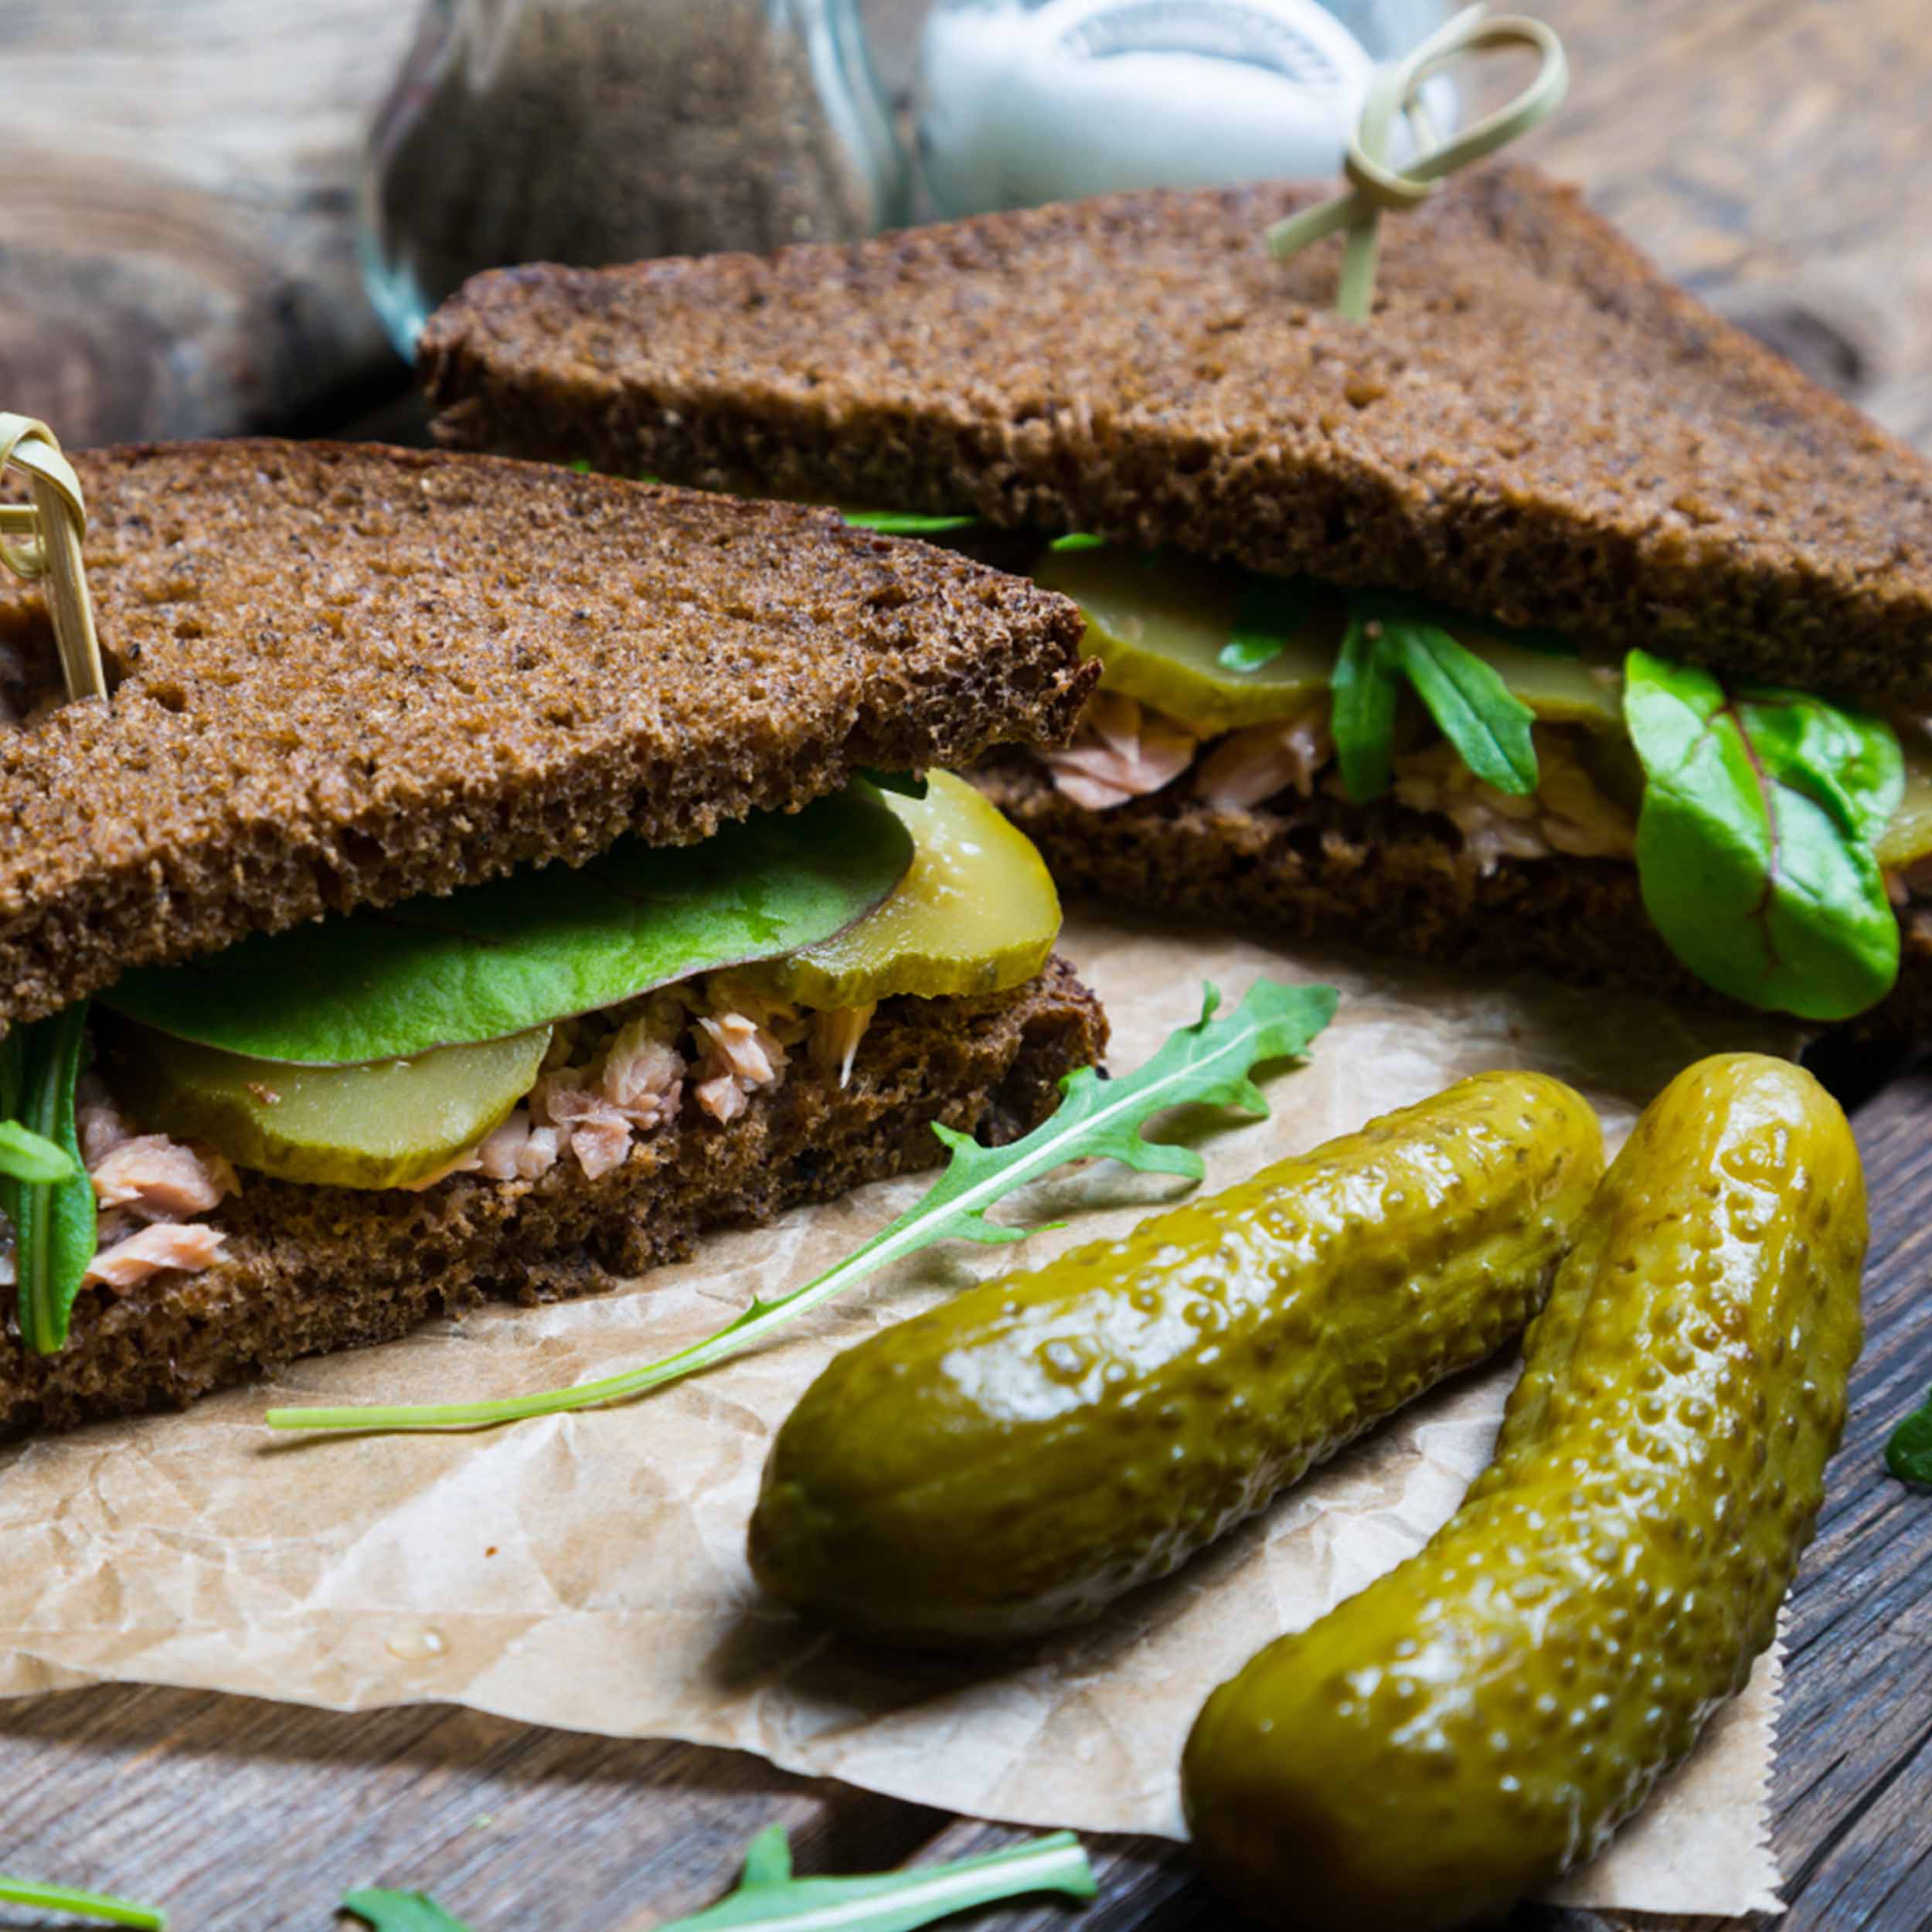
(1390, 641)
(101, 1906)
(543, 944)
(400, 1911)
(1755, 846)
(906, 522)
(1270, 613)
(1210, 1061)
(54, 1218)
(1908, 1453)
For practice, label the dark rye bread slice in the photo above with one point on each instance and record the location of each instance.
(346, 675)
(1534, 425)
(1385, 878)
(311, 1269)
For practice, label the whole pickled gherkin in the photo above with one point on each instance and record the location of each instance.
(1012, 1461)
(1480, 1719)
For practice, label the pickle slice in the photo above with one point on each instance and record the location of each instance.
(1909, 836)
(976, 912)
(388, 1124)
(1158, 625)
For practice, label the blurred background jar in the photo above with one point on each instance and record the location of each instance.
(601, 130)
(1024, 101)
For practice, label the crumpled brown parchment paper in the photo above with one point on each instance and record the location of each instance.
(587, 1571)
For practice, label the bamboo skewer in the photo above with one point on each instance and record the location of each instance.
(41, 540)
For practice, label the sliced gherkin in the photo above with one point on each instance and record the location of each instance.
(976, 912)
(1480, 1719)
(387, 1123)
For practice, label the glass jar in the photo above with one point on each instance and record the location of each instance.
(1023, 101)
(600, 130)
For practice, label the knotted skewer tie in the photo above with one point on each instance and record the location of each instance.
(1377, 185)
(42, 538)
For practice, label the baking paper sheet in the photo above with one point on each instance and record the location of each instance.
(587, 1571)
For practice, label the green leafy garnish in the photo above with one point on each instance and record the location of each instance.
(544, 943)
(1272, 611)
(768, 1895)
(1908, 1453)
(99, 1905)
(27, 1156)
(1755, 846)
(54, 1220)
(1390, 641)
(1077, 540)
(906, 522)
(1208, 1061)
(399, 1911)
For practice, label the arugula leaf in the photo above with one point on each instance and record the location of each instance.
(1078, 540)
(1272, 610)
(1908, 1453)
(99, 1905)
(26, 1156)
(768, 1895)
(493, 960)
(1389, 641)
(399, 1911)
(906, 522)
(1209, 1061)
(54, 1219)
(1755, 844)
(1364, 689)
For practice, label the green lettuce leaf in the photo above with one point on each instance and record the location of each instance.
(54, 1219)
(1755, 844)
(1390, 641)
(26, 1156)
(1210, 1061)
(541, 945)
(1908, 1453)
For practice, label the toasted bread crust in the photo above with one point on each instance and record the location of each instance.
(1385, 878)
(311, 1269)
(347, 676)
(1534, 427)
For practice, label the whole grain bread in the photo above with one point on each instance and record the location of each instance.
(1534, 426)
(1385, 878)
(309, 1269)
(347, 675)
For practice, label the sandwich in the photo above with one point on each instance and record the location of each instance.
(1541, 619)
(474, 885)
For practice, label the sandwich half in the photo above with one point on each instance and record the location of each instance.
(1543, 619)
(473, 886)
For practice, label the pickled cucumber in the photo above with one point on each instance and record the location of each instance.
(975, 912)
(388, 1124)
(1159, 625)
(1479, 1719)
(1013, 1461)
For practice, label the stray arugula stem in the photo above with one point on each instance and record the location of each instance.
(767, 1894)
(1208, 1062)
(98, 1905)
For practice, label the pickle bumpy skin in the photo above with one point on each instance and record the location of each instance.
(1480, 1719)
(1013, 1461)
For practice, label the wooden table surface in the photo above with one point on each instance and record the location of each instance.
(175, 258)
